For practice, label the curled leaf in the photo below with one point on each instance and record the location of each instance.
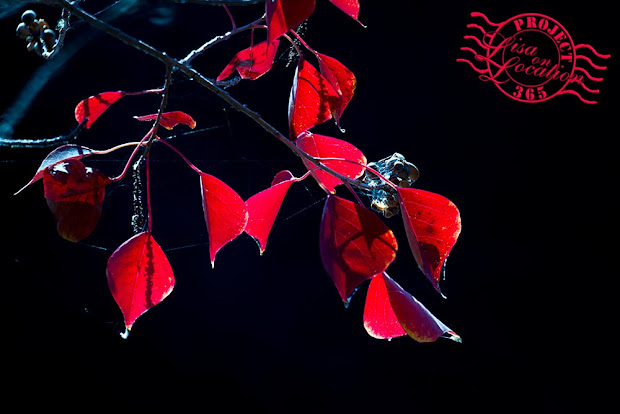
(91, 108)
(225, 213)
(321, 146)
(170, 119)
(432, 223)
(253, 62)
(74, 194)
(139, 276)
(63, 153)
(354, 243)
(313, 99)
(263, 207)
(284, 15)
(390, 312)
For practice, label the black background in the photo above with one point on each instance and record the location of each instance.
(530, 282)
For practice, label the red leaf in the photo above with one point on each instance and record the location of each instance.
(284, 15)
(390, 312)
(170, 119)
(433, 224)
(341, 78)
(225, 213)
(139, 276)
(313, 99)
(321, 146)
(355, 244)
(91, 108)
(60, 154)
(350, 7)
(74, 194)
(263, 207)
(253, 62)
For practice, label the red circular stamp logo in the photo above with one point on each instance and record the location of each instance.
(531, 58)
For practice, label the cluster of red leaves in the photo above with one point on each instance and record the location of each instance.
(355, 244)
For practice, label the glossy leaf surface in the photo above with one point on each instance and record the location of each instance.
(253, 62)
(433, 224)
(91, 108)
(263, 208)
(63, 153)
(225, 213)
(321, 146)
(313, 99)
(284, 15)
(354, 243)
(170, 119)
(74, 194)
(391, 312)
(139, 276)
(341, 78)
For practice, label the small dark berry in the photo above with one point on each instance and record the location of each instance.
(48, 35)
(22, 31)
(28, 17)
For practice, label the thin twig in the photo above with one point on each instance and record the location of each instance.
(205, 82)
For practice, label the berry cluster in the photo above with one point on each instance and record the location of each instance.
(37, 33)
(396, 169)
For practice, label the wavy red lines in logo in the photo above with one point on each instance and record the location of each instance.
(532, 58)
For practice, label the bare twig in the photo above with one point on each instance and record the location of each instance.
(205, 82)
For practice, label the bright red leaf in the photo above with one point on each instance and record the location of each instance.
(253, 62)
(170, 119)
(321, 146)
(139, 276)
(91, 108)
(225, 213)
(60, 154)
(74, 194)
(341, 78)
(263, 207)
(284, 15)
(313, 99)
(391, 312)
(433, 224)
(354, 243)
(350, 7)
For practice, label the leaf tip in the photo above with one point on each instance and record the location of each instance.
(453, 336)
(125, 334)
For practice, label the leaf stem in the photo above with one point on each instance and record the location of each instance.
(122, 174)
(180, 154)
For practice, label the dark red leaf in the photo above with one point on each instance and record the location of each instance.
(313, 99)
(391, 312)
(433, 224)
(284, 15)
(170, 119)
(60, 154)
(74, 194)
(139, 276)
(91, 108)
(253, 62)
(225, 213)
(350, 7)
(263, 208)
(341, 78)
(321, 146)
(355, 244)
